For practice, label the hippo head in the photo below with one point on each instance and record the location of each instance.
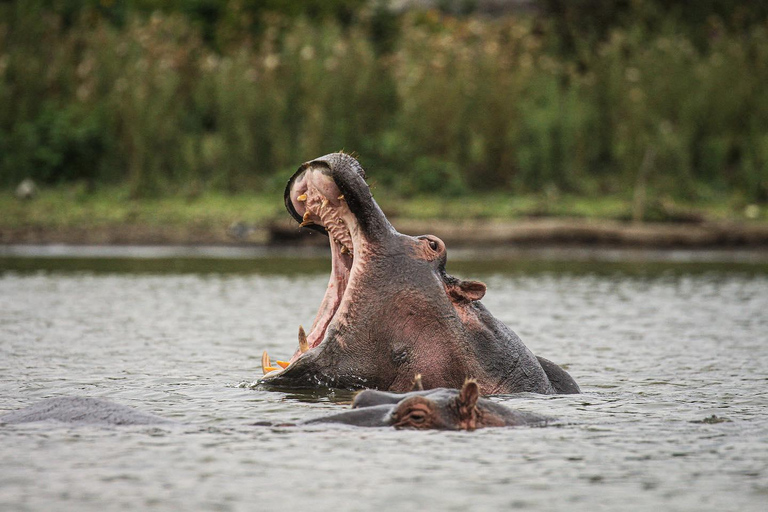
(390, 310)
(439, 409)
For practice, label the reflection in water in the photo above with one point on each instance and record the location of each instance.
(658, 349)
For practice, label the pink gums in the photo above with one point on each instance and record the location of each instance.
(327, 208)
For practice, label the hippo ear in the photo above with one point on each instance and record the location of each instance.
(469, 394)
(468, 290)
(467, 402)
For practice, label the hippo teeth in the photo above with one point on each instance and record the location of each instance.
(266, 364)
(318, 201)
(303, 344)
(325, 212)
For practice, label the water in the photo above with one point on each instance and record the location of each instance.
(656, 349)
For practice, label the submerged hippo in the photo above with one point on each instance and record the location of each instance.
(440, 408)
(81, 410)
(391, 310)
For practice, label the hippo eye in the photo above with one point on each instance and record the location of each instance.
(414, 413)
(433, 245)
(417, 417)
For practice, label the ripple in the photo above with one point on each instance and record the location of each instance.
(656, 354)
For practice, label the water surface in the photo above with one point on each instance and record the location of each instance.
(657, 348)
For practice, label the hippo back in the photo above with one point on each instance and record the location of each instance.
(82, 411)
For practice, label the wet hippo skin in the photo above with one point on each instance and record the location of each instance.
(440, 408)
(82, 411)
(391, 310)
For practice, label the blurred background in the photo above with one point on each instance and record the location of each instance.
(601, 164)
(195, 112)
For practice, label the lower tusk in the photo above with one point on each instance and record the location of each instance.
(341, 197)
(266, 365)
(302, 198)
(325, 202)
(303, 344)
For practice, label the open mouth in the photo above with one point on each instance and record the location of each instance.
(318, 201)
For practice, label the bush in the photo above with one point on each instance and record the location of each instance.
(432, 103)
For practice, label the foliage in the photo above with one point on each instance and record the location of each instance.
(163, 98)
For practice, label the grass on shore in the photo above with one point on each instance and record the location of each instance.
(72, 207)
(66, 207)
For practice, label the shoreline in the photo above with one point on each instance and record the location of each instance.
(545, 240)
(510, 253)
(478, 234)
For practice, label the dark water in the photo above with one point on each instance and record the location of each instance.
(657, 349)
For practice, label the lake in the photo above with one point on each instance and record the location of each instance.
(672, 360)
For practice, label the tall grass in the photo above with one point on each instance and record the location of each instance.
(457, 105)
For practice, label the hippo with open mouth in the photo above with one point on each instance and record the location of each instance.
(391, 311)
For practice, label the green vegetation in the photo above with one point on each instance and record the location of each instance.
(210, 102)
(66, 207)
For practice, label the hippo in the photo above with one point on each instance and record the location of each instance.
(391, 310)
(82, 410)
(437, 408)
